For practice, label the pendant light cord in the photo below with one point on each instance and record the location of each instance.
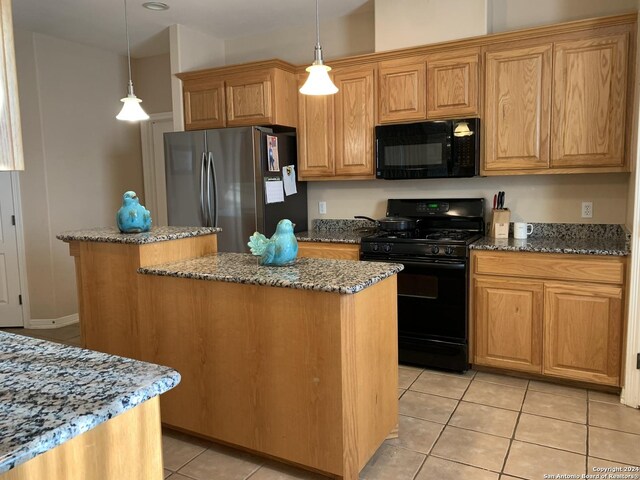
(126, 27)
(317, 24)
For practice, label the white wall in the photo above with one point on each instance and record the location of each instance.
(190, 50)
(78, 158)
(531, 198)
(407, 23)
(351, 34)
(152, 82)
(507, 15)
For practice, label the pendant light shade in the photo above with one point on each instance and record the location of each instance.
(131, 110)
(318, 82)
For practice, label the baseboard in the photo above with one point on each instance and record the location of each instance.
(59, 322)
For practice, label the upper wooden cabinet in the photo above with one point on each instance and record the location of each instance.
(589, 102)
(440, 85)
(261, 93)
(453, 84)
(402, 90)
(570, 121)
(517, 108)
(354, 121)
(335, 132)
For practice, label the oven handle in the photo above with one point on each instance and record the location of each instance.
(449, 265)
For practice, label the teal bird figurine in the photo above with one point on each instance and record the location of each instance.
(133, 217)
(280, 249)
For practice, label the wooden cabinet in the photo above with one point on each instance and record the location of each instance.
(439, 85)
(402, 90)
(508, 322)
(11, 155)
(204, 104)
(354, 121)
(589, 102)
(556, 315)
(571, 121)
(583, 328)
(339, 251)
(453, 84)
(260, 93)
(335, 132)
(517, 108)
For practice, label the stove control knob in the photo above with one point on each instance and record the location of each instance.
(449, 250)
(375, 247)
(435, 249)
(387, 248)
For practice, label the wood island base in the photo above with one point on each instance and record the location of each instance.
(306, 377)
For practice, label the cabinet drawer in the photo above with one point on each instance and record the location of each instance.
(339, 251)
(550, 266)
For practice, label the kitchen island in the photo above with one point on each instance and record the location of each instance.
(298, 363)
(72, 414)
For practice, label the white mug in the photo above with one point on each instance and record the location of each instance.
(522, 230)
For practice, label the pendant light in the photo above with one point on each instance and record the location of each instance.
(318, 81)
(131, 110)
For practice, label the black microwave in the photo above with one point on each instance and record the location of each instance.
(436, 149)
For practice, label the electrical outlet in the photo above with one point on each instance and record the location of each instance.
(322, 208)
(587, 209)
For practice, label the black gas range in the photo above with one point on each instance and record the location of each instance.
(433, 287)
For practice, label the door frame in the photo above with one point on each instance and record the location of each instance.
(151, 181)
(22, 261)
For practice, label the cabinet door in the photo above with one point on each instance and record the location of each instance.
(315, 134)
(517, 112)
(590, 83)
(508, 324)
(354, 117)
(204, 104)
(249, 99)
(452, 85)
(583, 325)
(402, 90)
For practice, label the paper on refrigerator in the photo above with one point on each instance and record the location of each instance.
(273, 190)
(289, 178)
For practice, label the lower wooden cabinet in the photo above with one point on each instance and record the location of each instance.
(339, 251)
(508, 321)
(555, 322)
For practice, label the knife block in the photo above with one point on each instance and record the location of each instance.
(499, 227)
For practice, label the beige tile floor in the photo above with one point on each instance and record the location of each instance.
(472, 426)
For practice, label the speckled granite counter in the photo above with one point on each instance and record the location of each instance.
(337, 231)
(157, 234)
(50, 393)
(340, 276)
(582, 239)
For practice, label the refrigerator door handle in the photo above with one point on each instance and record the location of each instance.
(213, 212)
(202, 180)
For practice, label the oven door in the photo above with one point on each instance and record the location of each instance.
(432, 313)
(417, 150)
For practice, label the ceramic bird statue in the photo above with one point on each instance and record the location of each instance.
(133, 217)
(280, 249)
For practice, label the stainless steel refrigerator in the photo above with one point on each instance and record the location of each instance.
(217, 178)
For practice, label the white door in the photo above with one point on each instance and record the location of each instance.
(10, 300)
(155, 191)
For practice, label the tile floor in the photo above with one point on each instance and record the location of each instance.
(472, 426)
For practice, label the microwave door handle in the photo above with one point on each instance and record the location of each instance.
(203, 214)
(213, 211)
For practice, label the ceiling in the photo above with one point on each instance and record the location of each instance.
(100, 23)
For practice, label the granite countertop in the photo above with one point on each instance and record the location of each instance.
(337, 231)
(157, 234)
(581, 239)
(324, 275)
(50, 393)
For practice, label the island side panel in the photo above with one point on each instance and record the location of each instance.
(261, 366)
(107, 286)
(369, 371)
(127, 446)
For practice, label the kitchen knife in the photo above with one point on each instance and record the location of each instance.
(495, 201)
